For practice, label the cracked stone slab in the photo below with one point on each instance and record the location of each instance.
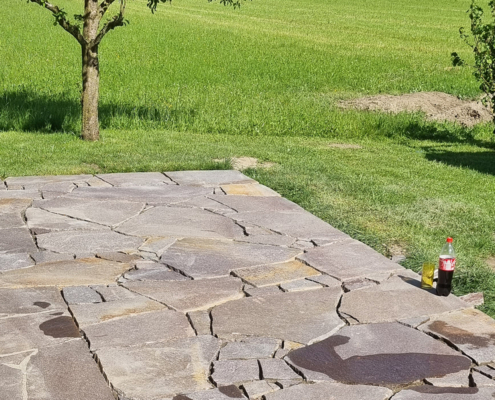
(331, 391)
(41, 257)
(471, 331)
(272, 239)
(205, 203)
(30, 300)
(226, 372)
(481, 380)
(277, 369)
(136, 179)
(57, 187)
(325, 280)
(427, 392)
(154, 274)
(348, 259)
(37, 182)
(388, 354)
(108, 212)
(209, 178)
(221, 393)
(250, 348)
(201, 322)
(11, 220)
(260, 292)
(74, 242)
(20, 194)
(300, 316)
(114, 293)
(160, 370)
(119, 257)
(190, 295)
(250, 189)
(157, 245)
(486, 370)
(154, 326)
(181, 222)
(12, 261)
(204, 258)
(80, 272)
(300, 285)
(359, 283)
(395, 299)
(97, 182)
(257, 204)
(41, 221)
(257, 389)
(275, 274)
(16, 240)
(80, 295)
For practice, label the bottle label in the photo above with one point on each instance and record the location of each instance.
(446, 264)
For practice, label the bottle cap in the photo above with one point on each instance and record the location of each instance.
(450, 240)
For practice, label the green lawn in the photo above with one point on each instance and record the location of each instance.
(198, 81)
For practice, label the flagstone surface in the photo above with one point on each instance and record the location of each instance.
(206, 285)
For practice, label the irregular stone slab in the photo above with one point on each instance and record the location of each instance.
(303, 244)
(331, 391)
(486, 370)
(299, 286)
(250, 348)
(300, 317)
(11, 378)
(11, 220)
(160, 370)
(272, 239)
(235, 371)
(157, 245)
(155, 326)
(109, 212)
(274, 274)
(181, 222)
(119, 257)
(427, 392)
(80, 295)
(87, 242)
(114, 293)
(481, 380)
(254, 204)
(221, 393)
(15, 261)
(471, 331)
(201, 322)
(40, 221)
(251, 189)
(14, 206)
(37, 182)
(16, 240)
(260, 292)
(389, 354)
(275, 369)
(206, 204)
(30, 300)
(203, 258)
(359, 283)
(80, 272)
(41, 257)
(208, 178)
(190, 295)
(97, 182)
(89, 314)
(257, 389)
(59, 187)
(149, 274)
(20, 194)
(286, 384)
(34, 331)
(474, 299)
(325, 280)
(348, 259)
(457, 379)
(413, 322)
(281, 353)
(393, 300)
(135, 179)
(2, 185)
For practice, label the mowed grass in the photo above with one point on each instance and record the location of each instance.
(198, 82)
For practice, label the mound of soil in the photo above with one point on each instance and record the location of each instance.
(436, 105)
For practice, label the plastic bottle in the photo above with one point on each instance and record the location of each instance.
(446, 266)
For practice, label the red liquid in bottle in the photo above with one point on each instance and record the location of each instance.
(446, 266)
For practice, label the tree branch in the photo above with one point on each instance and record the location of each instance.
(117, 20)
(60, 18)
(104, 6)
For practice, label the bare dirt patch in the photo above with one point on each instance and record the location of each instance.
(241, 163)
(491, 262)
(436, 105)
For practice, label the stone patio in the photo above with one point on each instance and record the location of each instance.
(206, 285)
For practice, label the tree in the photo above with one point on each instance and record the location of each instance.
(89, 38)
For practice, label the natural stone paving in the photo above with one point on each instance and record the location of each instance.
(206, 285)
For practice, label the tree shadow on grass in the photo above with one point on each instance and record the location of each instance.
(483, 162)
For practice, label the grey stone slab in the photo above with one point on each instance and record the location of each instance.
(221, 393)
(281, 353)
(41, 221)
(208, 178)
(257, 389)
(275, 369)
(249, 189)
(190, 295)
(157, 245)
(205, 203)
(275, 274)
(114, 293)
(481, 380)
(272, 240)
(129, 179)
(20, 194)
(2, 185)
(427, 392)
(284, 384)
(358, 283)
(11, 379)
(331, 391)
(250, 348)
(348, 259)
(80, 272)
(155, 326)
(60, 187)
(11, 220)
(260, 292)
(414, 322)
(325, 280)
(34, 331)
(300, 285)
(229, 372)
(97, 182)
(395, 299)
(457, 379)
(474, 299)
(389, 354)
(154, 274)
(30, 300)
(47, 195)
(486, 370)
(37, 182)
(41, 257)
(109, 212)
(81, 295)
(201, 322)
(119, 257)
(257, 204)
(303, 244)
(90, 314)
(181, 222)
(93, 242)
(14, 206)
(160, 370)
(472, 331)
(205, 258)
(15, 261)
(300, 317)
(16, 240)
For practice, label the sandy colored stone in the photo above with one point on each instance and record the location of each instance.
(135, 179)
(250, 189)
(325, 280)
(427, 392)
(275, 369)
(274, 274)
(190, 295)
(119, 257)
(201, 322)
(390, 355)
(80, 295)
(93, 242)
(300, 316)
(30, 300)
(14, 206)
(256, 389)
(271, 239)
(41, 257)
(472, 331)
(245, 204)
(228, 372)
(249, 348)
(300, 285)
(41, 221)
(16, 240)
(160, 370)
(114, 293)
(154, 274)
(80, 272)
(157, 245)
(209, 178)
(15, 261)
(206, 258)
(474, 299)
